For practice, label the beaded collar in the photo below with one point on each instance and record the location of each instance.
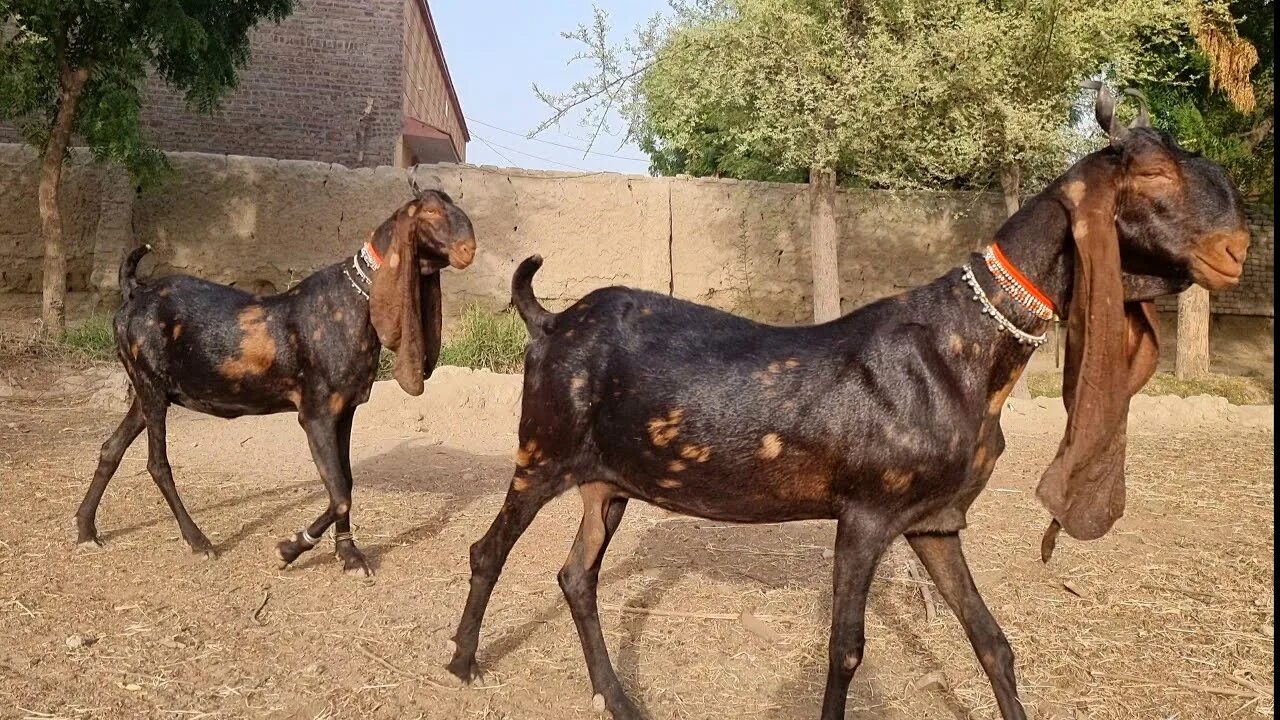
(1017, 286)
(360, 272)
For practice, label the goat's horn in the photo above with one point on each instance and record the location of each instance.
(1104, 110)
(1143, 119)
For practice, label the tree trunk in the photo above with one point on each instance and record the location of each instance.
(53, 312)
(1192, 359)
(822, 244)
(1011, 185)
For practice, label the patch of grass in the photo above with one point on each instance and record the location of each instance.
(1044, 384)
(487, 340)
(85, 342)
(93, 337)
(481, 340)
(1237, 390)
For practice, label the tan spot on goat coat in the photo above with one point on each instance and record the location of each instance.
(257, 349)
(770, 447)
(663, 430)
(898, 480)
(697, 453)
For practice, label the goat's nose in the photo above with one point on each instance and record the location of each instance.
(1237, 246)
(461, 254)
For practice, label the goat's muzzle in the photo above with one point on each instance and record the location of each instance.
(1218, 262)
(462, 253)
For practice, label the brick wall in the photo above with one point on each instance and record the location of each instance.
(304, 91)
(1254, 295)
(426, 93)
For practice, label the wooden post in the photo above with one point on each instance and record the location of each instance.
(1192, 358)
(822, 244)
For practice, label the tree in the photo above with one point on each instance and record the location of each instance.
(882, 93)
(76, 68)
(1218, 97)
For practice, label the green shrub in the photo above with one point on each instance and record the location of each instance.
(479, 339)
(487, 340)
(93, 337)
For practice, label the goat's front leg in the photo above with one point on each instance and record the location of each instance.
(579, 579)
(322, 437)
(860, 541)
(945, 562)
(344, 546)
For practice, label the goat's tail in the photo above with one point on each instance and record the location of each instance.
(129, 271)
(537, 318)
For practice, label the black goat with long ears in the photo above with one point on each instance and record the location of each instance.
(312, 349)
(886, 420)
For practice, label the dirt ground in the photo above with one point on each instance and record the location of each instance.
(1169, 616)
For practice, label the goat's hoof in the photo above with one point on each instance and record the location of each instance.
(204, 549)
(359, 569)
(288, 550)
(354, 563)
(621, 708)
(465, 670)
(90, 544)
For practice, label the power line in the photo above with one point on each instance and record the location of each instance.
(559, 145)
(521, 152)
(497, 151)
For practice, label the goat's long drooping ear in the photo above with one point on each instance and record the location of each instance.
(432, 309)
(395, 305)
(1111, 352)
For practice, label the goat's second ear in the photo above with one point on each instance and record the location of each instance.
(432, 309)
(395, 305)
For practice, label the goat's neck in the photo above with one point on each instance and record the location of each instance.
(1037, 240)
(380, 239)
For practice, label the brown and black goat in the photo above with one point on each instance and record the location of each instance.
(312, 349)
(886, 420)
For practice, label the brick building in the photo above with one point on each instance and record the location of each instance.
(356, 82)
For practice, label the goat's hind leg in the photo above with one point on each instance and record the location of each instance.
(155, 412)
(108, 461)
(579, 579)
(530, 489)
(943, 558)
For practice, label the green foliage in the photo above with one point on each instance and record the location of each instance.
(195, 46)
(92, 338)
(487, 340)
(891, 93)
(1205, 120)
(481, 340)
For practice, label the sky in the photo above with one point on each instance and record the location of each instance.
(497, 49)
